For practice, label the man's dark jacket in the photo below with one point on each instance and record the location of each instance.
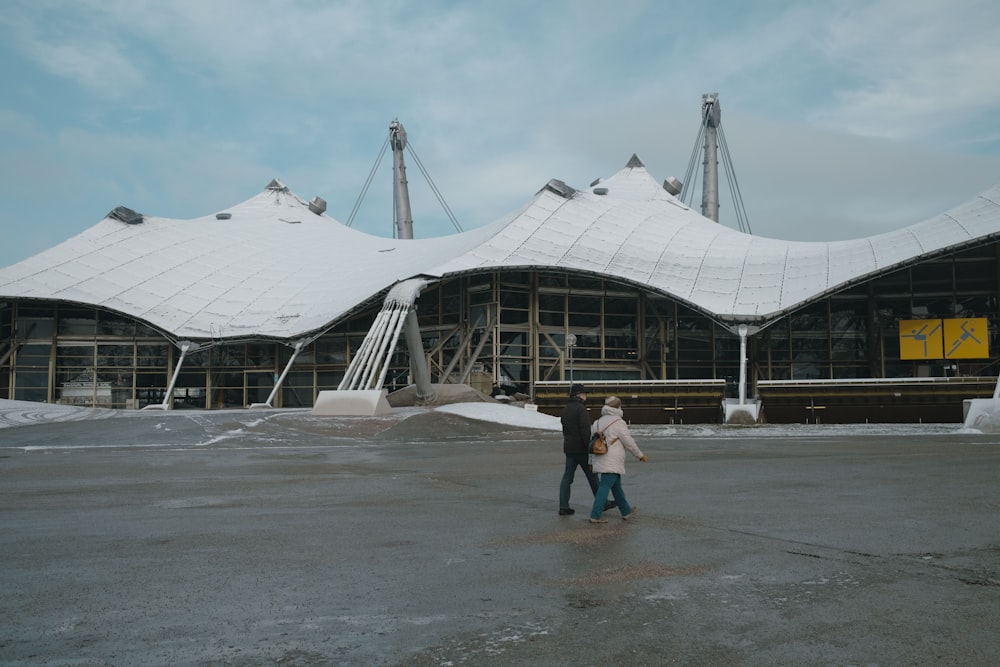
(575, 426)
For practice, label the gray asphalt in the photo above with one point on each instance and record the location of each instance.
(279, 538)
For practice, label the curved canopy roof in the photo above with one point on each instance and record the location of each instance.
(275, 269)
(639, 233)
(272, 268)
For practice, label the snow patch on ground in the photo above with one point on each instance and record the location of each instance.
(23, 413)
(503, 414)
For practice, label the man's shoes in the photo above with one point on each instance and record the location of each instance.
(631, 514)
(601, 520)
(610, 505)
(563, 511)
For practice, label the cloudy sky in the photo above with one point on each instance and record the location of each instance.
(843, 119)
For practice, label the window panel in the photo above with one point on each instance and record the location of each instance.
(34, 355)
(154, 356)
(33, 328)
(514, 299)
(75, 355)
(552, 319)
(115, 355)
(512, 316)
(77, 322)
(621, 305)
(978, 275)
(109, 324)
(553, 302)
(585, 320)
(513, 344)
(932, 277)
(31, 385)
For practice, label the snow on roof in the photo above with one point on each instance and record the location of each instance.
(274, 268)
(271, 268)
(629, 227)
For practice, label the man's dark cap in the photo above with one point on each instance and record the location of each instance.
(577, 389)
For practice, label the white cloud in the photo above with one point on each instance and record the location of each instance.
(923, 67)
(85, 54)
(844, 119)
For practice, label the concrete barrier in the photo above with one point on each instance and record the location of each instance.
(357, 402)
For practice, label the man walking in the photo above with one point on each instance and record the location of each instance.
(576, 438)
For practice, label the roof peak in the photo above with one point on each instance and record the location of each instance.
(634, 162)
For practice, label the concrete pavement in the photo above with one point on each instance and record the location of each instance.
(263, 538)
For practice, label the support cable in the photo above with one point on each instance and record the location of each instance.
(423, 170)
(690, 181)
(734, 186)
(364, 189)
(434, 188)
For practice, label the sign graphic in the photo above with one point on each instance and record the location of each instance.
(959, 338)
(966, 339)
(920, 339)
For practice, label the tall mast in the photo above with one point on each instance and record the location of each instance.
(401, 191)
(711, 116)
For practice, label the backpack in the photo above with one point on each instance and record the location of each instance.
(598, 445)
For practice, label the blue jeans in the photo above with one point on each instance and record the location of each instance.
(610, 482)
(572, 461)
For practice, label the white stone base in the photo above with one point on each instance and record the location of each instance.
(741, 413)
(982, 414)
(359, 403)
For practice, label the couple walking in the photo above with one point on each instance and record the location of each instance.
(577, 429)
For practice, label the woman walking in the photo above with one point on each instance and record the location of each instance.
(611, 466)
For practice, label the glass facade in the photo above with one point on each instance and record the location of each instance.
(855, 333)
(510, 327)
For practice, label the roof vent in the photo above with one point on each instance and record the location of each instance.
(558, 187)
(126, 215)
(595, 182)
(223, 216)
(672, 185)
(317, 205)
(600, 191)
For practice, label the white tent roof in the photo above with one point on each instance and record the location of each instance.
(641, 234)
(273, 269)
(276, 269)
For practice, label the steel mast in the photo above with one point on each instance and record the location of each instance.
(401, 189)
(711, 116)
(710, 146)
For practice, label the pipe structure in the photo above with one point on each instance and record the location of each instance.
(743, 329)
(369, 366)
(475, 355)
(461, 346)
(418, 362)
(299, 344)
(168, 402)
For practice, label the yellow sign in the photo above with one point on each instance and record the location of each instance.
(959, 338)
(966, 339)
(920, 339)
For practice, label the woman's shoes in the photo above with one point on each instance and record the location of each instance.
(601, 520)
(630, 514)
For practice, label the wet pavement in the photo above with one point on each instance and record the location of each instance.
(424, 538)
